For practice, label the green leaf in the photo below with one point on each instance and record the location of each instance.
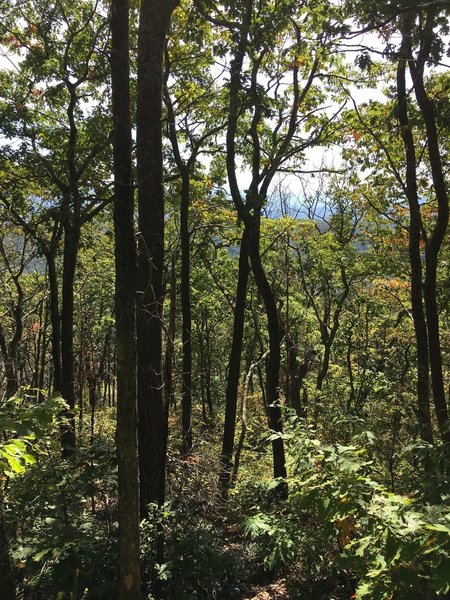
(39, 555)
(438, 527)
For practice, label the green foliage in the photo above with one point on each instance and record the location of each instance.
(339, 518)
(197, 565)
(22, 424)
(201, 560)
(68, 547)
(61, 511)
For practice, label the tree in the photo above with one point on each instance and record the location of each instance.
(420, 27)
(14, 267)
(270, 124)
(154, 22)
(63, 57)
(191, 117)
(125, 305)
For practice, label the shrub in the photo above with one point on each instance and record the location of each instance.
(339, 519)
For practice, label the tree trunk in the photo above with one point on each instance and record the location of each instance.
(168, 358)
(208, 367)
(42, 366)
(234, 368)
(433, 247)
(186, 384)
(415, 228)
(71, 242)
(12, 381)
(240, 445)
(153, 25)
(125, 304)
(274, 359)
(55, 321)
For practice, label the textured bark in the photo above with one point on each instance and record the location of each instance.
(250, 210)
(186, 384)
(436, 239)
(153, 25)
(415, 229)
(234, 368)
(274, 358)
(71, 243)
(125, 304)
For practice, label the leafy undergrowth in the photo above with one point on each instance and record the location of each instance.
(340, 533)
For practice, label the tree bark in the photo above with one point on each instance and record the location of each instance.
(71, 242)
(186, 384)
(55, 320)
(415, 235)
(125, 304)
(234, 368)
(436, 239)
(274, 359)
(153, 25)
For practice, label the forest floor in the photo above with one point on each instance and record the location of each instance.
(273, 591)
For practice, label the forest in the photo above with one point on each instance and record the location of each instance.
(224, 299)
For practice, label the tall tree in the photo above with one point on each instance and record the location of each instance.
(264, 132)
(421, 28)
(63, 49)
(415, 236)
(125, 304)
(191, 117)
(154, 22)
(430, 49)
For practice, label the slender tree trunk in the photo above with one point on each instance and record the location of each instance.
(38, 346)
(125, 304)
(71, 242)
(186, 384)
(274, 359)
(9, 362)
(208, 368)
(55, 321)
(170, 347)
(296, 376)
(201, 368)
(433, 248)
(92, 400)
(234, 368)
(153, 25)
(9, 350)
(324, 367)
(415, 228)
(42, 366)
(240, 444)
